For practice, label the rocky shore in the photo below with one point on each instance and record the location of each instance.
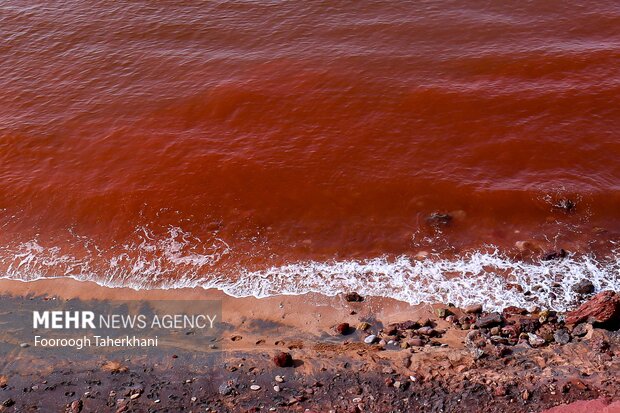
(342, 354)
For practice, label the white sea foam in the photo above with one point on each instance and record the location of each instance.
(178, 260)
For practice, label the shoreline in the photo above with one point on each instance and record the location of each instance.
(422, 359)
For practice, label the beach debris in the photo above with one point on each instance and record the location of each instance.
(603, 308)
(283, 359)
(343, 329)
(353, 297)
(583, 287)
(370, 339)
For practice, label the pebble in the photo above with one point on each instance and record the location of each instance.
(276, 388)
(255, 387)
(534, 340)
(280, 379)
(370, 339)
(24, 345)
(561, 336)
(225, 389)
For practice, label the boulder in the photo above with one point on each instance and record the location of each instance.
(603, 309)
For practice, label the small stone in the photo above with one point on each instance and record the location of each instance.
(255, 387)
(283, 359)
(276, 388)
(279, 379)
(473, 309)
(343, 329)
(416, 342)
(442, 312)
(8, 403)
(363, 326)
(534, 340)
(76, 406)
(495, 331)
(581, 330)
(24, 345)
(427, 331)
(561, 336)
(134, 396)
(225, 389)
(397, 384)
(370, 339)
(353, 297)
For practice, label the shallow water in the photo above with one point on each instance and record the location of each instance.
(224, 143)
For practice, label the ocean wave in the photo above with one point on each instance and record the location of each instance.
(180, 260)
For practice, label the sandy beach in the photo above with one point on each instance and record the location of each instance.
(420, 358)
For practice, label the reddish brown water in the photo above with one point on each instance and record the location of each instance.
(265, 133)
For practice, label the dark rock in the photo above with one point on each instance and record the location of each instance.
(561, 336)
(583, 287)
(567, 205)
(473, 309)
(406, 325)
(554, 255)
(343, 329)
(581, 330)
(225, 389)
(8, 403)
(603, 309)
(490, 320)
(437, 218)
(353, 297)
(283, 359)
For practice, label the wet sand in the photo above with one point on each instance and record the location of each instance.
(435, 363)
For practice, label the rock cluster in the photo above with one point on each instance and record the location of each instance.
(493, 334)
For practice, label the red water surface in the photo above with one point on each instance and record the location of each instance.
(307, 130)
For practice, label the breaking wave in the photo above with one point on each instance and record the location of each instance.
(180, 260)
